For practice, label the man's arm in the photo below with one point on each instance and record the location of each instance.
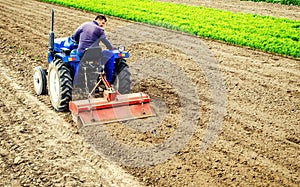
(106, 43)
(76, 34)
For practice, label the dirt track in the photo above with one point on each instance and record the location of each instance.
(258, 143)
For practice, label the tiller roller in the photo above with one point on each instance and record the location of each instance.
(112, 107)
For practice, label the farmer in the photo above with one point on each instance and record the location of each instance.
(89, 34)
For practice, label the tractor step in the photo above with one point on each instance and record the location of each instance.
(100, 111)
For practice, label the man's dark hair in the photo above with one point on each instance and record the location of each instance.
(100, 16)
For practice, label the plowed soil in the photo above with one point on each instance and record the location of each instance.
(256, 95)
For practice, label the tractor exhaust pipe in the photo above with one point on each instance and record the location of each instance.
(51, 34)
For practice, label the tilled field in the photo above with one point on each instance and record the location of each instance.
(194, 83)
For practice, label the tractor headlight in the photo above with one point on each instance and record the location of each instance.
(121, 48)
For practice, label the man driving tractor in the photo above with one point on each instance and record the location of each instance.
(89, 34)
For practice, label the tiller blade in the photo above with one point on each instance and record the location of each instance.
(109, 109)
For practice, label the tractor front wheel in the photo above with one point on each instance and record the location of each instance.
(59, 85)
(39, 80)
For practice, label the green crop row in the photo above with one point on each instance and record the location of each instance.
(284, 2)
(265, 33)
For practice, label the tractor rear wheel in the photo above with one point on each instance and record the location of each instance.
(40, 80)
(59, 85)
(122, 82)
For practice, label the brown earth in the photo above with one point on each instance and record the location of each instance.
(193, 82)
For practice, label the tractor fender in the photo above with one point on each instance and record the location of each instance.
(67, 59)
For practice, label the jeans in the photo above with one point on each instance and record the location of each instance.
(108, 59)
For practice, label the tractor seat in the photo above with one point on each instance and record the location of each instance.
(92, 54)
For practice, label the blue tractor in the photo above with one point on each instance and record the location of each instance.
(66, 71)
(72, 84)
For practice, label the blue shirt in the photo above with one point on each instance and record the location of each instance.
(89, 34)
